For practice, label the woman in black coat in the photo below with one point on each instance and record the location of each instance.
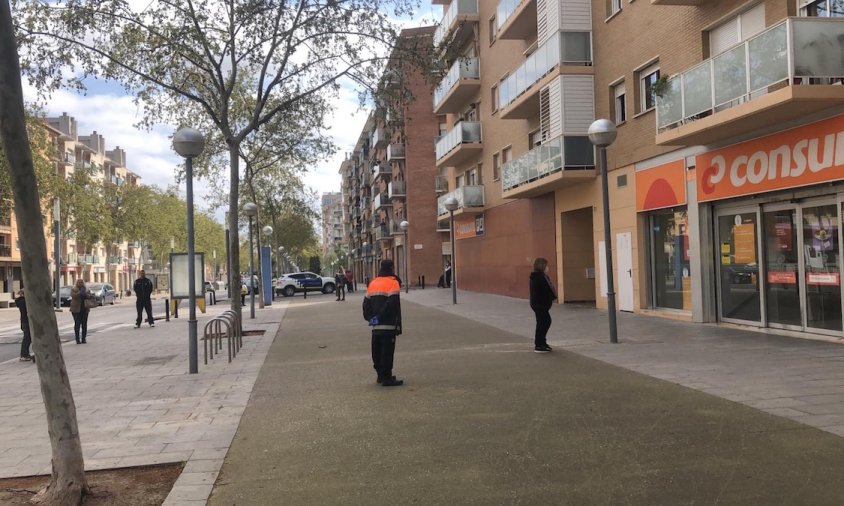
(542, 295)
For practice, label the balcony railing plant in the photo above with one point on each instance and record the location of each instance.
(563, 48)
(467, 197)
(455, 8)
(464, 132)
(553, 156)
(463, 68)
(788, 53)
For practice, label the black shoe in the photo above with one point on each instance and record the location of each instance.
(137, 325)
(84, 341)
(151, 324)
(78, 341)
(542, 349)
(392, 382)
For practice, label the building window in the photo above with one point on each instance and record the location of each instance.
(493, 30)
(619, 94)
(506, 155)
(737, 29)
(647, 79)
(534, 139)
(822, 8)
(493, 103)
(496, 167)
(615, 6)
(671, 277)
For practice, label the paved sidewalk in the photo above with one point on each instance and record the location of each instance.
(137, 404)
(797, 378)
(481, 419)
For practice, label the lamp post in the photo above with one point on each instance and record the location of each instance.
(215, 265)
(365, 247)
(189, 143)
(268, 233)
(251, 210)
(58, 252)
(280, 260)
(451, 204)
(228, 261)
(602, 133)
(403, 226)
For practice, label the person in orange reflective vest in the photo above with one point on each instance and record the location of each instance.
(382, 310)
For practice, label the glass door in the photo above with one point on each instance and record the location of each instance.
(739, 296)
(821, 253)
(782, 268)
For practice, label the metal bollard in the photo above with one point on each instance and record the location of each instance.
(306, 292)
(423, 281)
(167, 311)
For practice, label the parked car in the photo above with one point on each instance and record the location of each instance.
(64, 296)
(244, 280)
(288, 284)
(103, 293)
(209, 287)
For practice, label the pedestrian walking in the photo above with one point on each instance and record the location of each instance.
(448, 274)
(350, 281)
(382, 310)
(143, 292)
(81, 302)
(542, 296)
(340, 284)
(20, 302)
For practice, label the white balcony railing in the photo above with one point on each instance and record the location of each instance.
(463, 68)
(467, 196)
(788, 53)
(397, 189)
(379, 201)
(378, 138)
(563, 48)
(570, 152)
(505, 9)
(465, 132)
(395, 151)
(455, 8)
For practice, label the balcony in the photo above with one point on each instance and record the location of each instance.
(563, 53)
(443, 226)
(5, 251)
(380, 201)
(379, 138)
(559, 162)
(397, 189)
(89, 259)
(440, 184)
(6, 219)
(462, 143)
(382, 232)
(114, 260)
(71, 259)
(516, 19)
(470, 200)
(680, 2)
(462, 82)
(381, 171)
(363, 156)
(772, 78)
(395, 151)
(453, 23)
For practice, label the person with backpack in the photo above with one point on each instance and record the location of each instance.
(382, 310)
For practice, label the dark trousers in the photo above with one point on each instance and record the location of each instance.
(448, 279)
(143, 305)
(27, 339)
(80, 322)
(341, 291)
(350, 287)
(383, 348)
(543, 323)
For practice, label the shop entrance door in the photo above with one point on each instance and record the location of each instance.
(739, 296)
(782, 253)
(821, 234)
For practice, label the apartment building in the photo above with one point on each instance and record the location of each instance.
(332, 222)
(389, 177)
(725, 180)
(116, 264)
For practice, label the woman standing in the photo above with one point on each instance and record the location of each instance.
(78, 295)
(542, 295)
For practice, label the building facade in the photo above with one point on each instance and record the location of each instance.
(332, 222)
(725, 180)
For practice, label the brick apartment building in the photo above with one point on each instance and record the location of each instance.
(725, 178)
(332, 222)
(389, 178)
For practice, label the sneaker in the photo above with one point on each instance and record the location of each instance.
(25, 359)
(542, 349)
(137, 325)
(151, 324)
(391, 382)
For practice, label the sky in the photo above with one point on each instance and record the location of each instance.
(106, 109)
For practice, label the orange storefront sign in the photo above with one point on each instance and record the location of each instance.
(798, 157)
(661, 186)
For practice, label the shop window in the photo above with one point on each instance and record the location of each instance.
(671, 277)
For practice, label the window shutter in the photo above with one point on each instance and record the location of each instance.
(723, 37)
(752, 21)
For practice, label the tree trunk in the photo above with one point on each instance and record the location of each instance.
(67, 484)
(234, 237)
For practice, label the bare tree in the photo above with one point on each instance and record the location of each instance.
(67, 482)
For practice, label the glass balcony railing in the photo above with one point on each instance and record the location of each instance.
(380, 201)
(395, 151)
(467, 196)
(788, 53)
(563, 48)
(464, 68)
(455, 8)
(505, 9)
(569, 152)
(465, 132)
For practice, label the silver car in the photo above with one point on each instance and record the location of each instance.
(103, 293)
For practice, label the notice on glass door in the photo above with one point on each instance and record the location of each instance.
(744, 238)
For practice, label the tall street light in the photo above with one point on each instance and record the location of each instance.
(58, 251)
(268, 233)
(451, 204)
(280, 261)
(251, 210)
(189, 143)
(602, 133)
(403, 226)
(228, 261)
(365, 247)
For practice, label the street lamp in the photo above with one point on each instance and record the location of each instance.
(280, 260)
(215, 266)
(228, 261)
(602, 133)
(365, 247)
(189, 143)
(251, 210)
(403, 226)
(451, 205)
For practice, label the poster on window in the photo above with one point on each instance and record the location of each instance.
(744, 239)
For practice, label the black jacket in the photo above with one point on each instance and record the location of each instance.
(143, 288)
(541, 294)
(382, 301)
(20, 302)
